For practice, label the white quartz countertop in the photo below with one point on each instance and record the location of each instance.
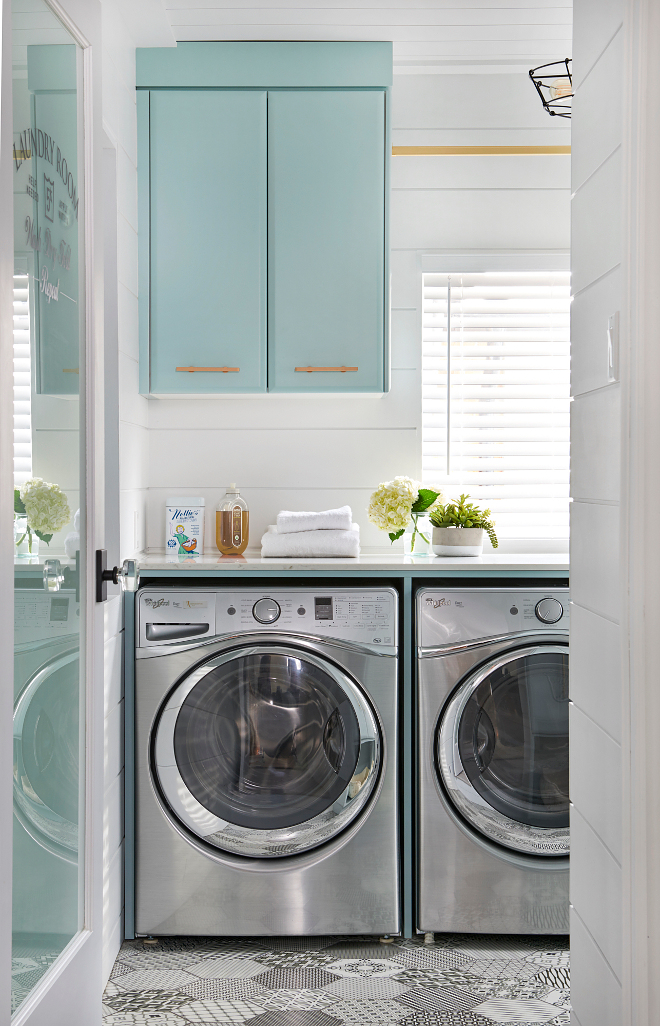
(392, 561)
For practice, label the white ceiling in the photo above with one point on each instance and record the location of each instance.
(429, 35)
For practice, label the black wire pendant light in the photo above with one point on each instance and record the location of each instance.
(554, 84)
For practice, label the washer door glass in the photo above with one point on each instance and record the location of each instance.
(46, 747)
(266, 741)
(502, 749)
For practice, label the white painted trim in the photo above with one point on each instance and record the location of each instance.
(6, 500)
(71, 991)
(640, 490)
(495, 260)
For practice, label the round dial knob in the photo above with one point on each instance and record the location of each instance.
(266, 610)
(549, 610)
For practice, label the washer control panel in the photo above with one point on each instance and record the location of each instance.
(355, 615)
(451, 616)
(363, 617)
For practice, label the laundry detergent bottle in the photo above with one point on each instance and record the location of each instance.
(232, 523)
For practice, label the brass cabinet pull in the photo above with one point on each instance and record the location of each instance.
(222, 370)
(70, 370)
(340, 370)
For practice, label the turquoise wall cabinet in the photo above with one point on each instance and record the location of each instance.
(263, 179)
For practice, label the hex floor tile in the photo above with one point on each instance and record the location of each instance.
(354, 949)
(225, 968)
(372, 1012)
(558, 976)
(145, 1000)
(296, 943)
(230, 989)
(547, 959)
(294, 1018)
(445, 1019)
(221, 1011)
(364, 989)
(294, 979)
(363, 967)
(502, 968)
(302, 999)
(156, 979)
(436, 999)
(143, 1019)
(504, 1011)
(432, 958)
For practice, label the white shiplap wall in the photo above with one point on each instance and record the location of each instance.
(312, 453)
(431, 34)
(596, 689)
(123, 27)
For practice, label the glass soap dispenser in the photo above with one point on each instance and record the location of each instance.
(232, 523)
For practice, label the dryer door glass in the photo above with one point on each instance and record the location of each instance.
(513, 739)
(502, 749)
(266, 740)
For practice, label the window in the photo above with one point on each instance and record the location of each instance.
(22, 386)
(495, 420)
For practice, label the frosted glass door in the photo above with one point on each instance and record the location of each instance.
(49, 440)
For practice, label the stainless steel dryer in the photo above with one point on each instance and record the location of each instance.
(493, 760)
(266, 762)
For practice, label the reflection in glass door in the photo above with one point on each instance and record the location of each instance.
(49, 487)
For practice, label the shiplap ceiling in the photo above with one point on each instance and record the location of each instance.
(428, 35)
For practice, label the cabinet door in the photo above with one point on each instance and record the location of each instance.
(207, 240)
(326, 240)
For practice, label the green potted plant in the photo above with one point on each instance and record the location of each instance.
(458, 528)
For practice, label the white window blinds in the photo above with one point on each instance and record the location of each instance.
(495, 420)
(22, 393)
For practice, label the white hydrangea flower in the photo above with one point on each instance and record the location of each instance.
(46, 506)
(391, 504)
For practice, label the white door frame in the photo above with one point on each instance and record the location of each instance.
(640, 558)
(70, 994)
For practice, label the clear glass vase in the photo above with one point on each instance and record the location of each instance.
(417, 536)
(26, 543)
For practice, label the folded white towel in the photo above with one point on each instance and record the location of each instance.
(72, 543)
(340, 519)
(311, 544)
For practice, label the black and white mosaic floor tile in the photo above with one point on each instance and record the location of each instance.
(340, 981)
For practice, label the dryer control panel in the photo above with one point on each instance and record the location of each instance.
(357, 615)
(452, 617)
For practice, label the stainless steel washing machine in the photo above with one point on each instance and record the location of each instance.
(46, 785)
(493, 835)
(266, 761)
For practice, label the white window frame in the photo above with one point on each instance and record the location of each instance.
(466, 262)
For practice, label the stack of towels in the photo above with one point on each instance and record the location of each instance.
(312, 535)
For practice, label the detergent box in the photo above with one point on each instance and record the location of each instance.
(184, 526)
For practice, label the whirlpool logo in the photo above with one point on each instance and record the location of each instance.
(437, 603)
(156, 603)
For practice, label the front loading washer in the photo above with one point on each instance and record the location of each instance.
(493, 828)
(46, 784)
(266, 762)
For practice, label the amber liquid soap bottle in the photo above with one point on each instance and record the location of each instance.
(232, 523)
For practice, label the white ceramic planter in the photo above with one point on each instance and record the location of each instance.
(458, 541)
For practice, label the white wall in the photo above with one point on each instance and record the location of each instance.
(596, 710)
(124, 28)
(317, 452)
